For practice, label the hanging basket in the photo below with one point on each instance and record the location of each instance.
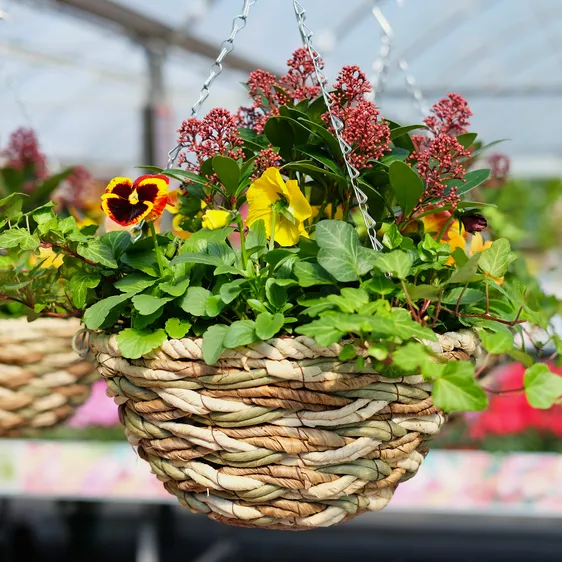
(278, 435)
(42, 380)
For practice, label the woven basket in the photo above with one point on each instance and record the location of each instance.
(278, 435)
(42, 380)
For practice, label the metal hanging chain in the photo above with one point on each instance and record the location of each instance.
(227, 46)
(337, 124)
(383, 63)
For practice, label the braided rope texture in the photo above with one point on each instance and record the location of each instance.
(42, 380)
(279, 434)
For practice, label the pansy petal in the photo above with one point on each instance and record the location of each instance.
(299, 207)
(286, 233)
(122, 211)
(123, 187)
(153, 189)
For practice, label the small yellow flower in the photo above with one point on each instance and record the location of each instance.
(48, 257)
(216, 219)
(270, 189)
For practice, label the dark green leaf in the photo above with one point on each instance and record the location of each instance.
(228, 171)
(467, 139)
(229, 291)
(96, 314)
(311, 273)
(79, 284)
(135, 283)
(98, 252)
(407, 185)
(463, 296)
(471, 180)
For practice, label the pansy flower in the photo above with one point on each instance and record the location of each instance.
(127, 202)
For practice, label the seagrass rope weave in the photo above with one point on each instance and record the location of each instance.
(279, 434)
(42, 380)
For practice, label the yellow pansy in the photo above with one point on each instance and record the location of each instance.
(454, 236)
(270, 189)
(48, 257)
(216, 219)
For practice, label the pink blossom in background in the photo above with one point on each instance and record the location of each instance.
(99, 410)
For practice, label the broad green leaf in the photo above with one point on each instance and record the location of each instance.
(213, 343)
(195, 301)
(457, 390)
(143, 261)
(311, 273)
(135, 283)
(471, 180)
(19, 238)
(148, 304)
(347, 353)
(542, 387)
(95, 315)
(320, 156)
(340, 252)
(176, 289)
(229, 291)
(463, 296)
(412, 356)
(426, 292)
(135, 344)
(467, 139)
(256, 236)
(392, 238)
(397, 132)
(279, 132)
(98, 252)
(275, 293)
(214, 306)
(497, 342)
(141, 322)
(256, 305)
(397, 263)
(495, 260)
(267, 325)
(118, 241)
(239, 333)
(191, 257)
(200, 240)
(79, 284)
(407, 185)
(405, 327)
(228, 172)
(177, 328)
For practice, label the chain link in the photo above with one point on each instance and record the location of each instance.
(383, 63)
(227, 46)
(337, 124)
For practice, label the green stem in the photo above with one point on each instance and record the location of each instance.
(156, 248)
(445, 227)
(240, 224)
(272, 236)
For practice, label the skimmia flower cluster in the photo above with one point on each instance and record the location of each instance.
(23, 153)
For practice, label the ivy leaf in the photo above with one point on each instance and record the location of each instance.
(418, 292)
(239, 333)
(397, 263)
(195, 301)
(79, 284)
(392, 237)
(497, 342)
(340, 252)
(466, 272)
(95, 315)
(412, 356)
(267, 325)
(542, 387)
(311, 273)
(175, 289)
(466, 296)
(228, 171)
(118, 241)
(407, 185)
(322, 331)
(177, 328)
(405, 327)
(213, 343)
(19, 238)
(380, 285)
(135, 283)
(457, 390)
(98, 252)
(135, 344)
(148, 304)
(347, 353)
(495, 260)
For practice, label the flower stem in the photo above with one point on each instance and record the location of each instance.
(240, 224)
(156, 248)
(272, 236)
(445, 228)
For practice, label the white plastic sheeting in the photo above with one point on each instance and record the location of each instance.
(83, 84)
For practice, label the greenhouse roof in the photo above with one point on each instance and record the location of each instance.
(81, 78)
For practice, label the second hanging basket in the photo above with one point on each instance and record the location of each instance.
(42, 379)
(278, 435)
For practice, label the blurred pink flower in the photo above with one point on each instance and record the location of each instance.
(99, 410)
